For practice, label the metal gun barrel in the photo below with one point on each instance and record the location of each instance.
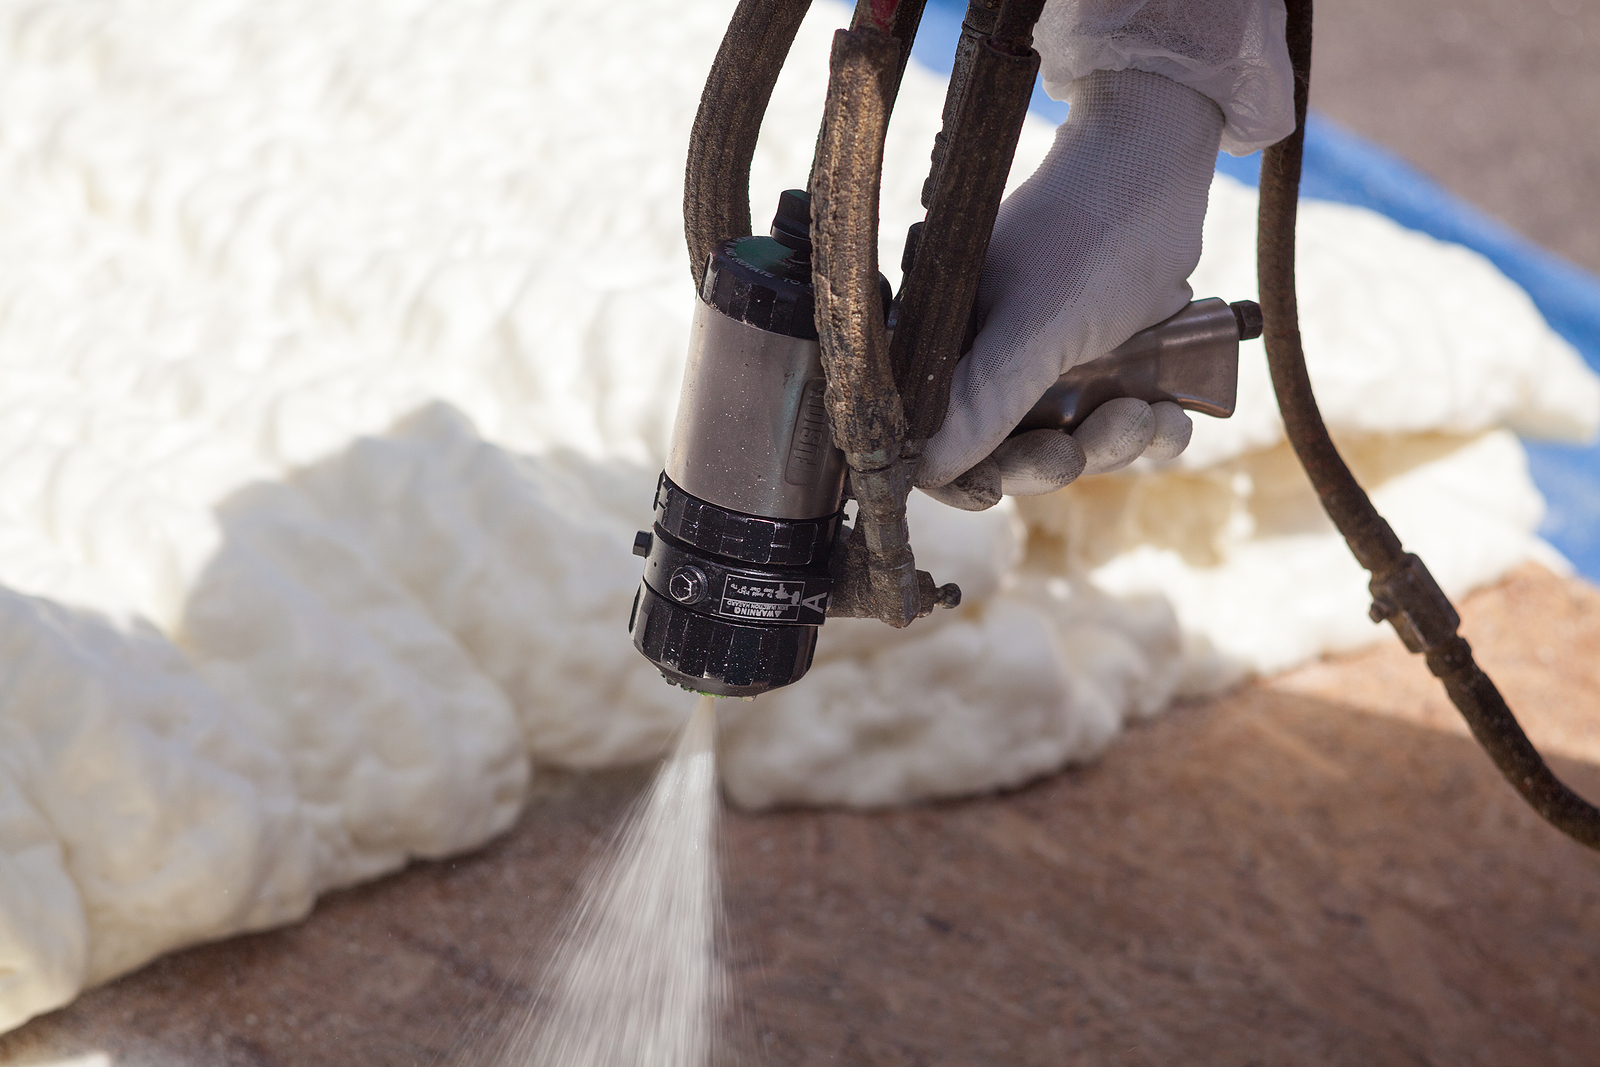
(1191, 359)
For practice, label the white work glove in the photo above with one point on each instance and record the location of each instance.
(1095, 246)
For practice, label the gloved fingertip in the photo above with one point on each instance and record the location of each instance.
(1038, 462)
(976, 489)
(1115, 434)
(1173, 430)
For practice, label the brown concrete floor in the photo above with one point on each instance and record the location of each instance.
(1316, 870)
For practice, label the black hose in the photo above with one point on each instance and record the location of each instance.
(1403, 591)
(716, 178)
(984, 111)
(901, 24)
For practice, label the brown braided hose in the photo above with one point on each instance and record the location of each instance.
(864, 407)
(967, 182)
(1403, 592)
(884, 401)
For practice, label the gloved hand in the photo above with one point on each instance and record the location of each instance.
(1095, 246)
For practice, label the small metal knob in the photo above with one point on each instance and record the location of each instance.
(1247, 313)
(687, 585)
(642, 542)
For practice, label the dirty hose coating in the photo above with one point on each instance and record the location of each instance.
(897, 18)
(863, 404)
(881, 436)
(716, 180)
(971, 164)
(1403, 592)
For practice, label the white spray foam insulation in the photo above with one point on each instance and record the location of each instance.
(338, 346)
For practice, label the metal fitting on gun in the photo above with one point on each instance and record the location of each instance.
(1191, 359)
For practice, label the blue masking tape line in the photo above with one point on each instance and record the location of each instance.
(1569, 478)
(1347, 169)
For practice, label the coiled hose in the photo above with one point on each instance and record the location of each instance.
(1403, 592)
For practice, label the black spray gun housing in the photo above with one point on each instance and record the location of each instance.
(747, 512)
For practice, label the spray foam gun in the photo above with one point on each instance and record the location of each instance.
(794, 383)
(808, 381)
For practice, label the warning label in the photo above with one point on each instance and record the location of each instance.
(768, 600)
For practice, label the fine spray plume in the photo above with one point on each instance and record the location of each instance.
(633, 978)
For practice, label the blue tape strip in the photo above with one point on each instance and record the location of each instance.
(1347, 169)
